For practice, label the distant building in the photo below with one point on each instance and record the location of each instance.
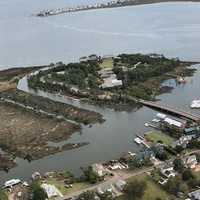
(83, 59)
(195, 194)
(92, 57)
(108, 57)
(141, 156)
(182, 141)
(104, 188)
(36, 176)
(161, 116)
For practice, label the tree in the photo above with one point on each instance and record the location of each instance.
(93, 177)
(135, 189)
(88, 195)
(37, 191)
(187, 174)
(178, 166)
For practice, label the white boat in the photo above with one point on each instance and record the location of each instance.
(181, 79)
(10, 183)
(195, 104)
(146, 125)
(132, 154)
(137, 140)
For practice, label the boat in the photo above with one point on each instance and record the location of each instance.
(132, 154)
(181, 79)
(10, 183)
(137, 140)
(146, 125)
(195, 104)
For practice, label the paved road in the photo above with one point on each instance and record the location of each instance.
(111, 181)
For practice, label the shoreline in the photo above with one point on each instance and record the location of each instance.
(111, 4)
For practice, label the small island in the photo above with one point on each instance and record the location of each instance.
(118, 82)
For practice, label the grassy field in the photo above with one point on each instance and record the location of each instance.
(106, 64)
(153, 191)
(156, 136)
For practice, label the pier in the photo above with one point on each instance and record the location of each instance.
(171, 110)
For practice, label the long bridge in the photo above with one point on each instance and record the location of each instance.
(172, 110)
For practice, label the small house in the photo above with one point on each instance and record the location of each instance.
(195, 194)
(104, 188)
(189, 161)
(50, 190)
(162, 181)
(168, 171)
(120, 185)
(35, 176)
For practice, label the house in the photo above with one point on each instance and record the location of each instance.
(104, 188)
(107, 57)
(98, 168)
(162, 181)
(195, 194)
(158, 148)
(160, 116)
(36, 176)
(168, 171)
(182, 141)
(190, 131)
(174, 124)
(189, 161)
(141, 156)
(50, 190)
(120, 185)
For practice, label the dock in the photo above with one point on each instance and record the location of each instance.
(140, 137)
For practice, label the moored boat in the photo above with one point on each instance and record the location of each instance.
(195, 104)
(11, 183)
(181, 79)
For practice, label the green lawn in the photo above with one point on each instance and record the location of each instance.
(156, 136)
(106, 64)
(153, 191)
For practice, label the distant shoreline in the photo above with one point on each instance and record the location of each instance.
(111, 4)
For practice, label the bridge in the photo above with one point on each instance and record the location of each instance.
(172, 110)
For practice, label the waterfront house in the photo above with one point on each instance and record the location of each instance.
(161, 116)
(174, 124)
(99, 169)
(189, 161)
(120, 185)
(35, 176)
(142, 156)
(191, 131)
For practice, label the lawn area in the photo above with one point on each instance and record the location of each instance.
(153, 190)
(106, 63)
(61, 186)
(156, 136)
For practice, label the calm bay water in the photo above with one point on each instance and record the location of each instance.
(169, 28)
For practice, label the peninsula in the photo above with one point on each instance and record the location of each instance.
(110, 4)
